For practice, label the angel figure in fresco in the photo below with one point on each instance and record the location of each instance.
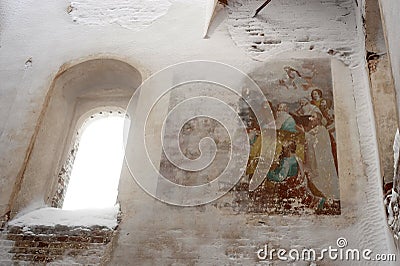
(295, 80)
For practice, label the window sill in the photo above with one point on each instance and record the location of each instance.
(71, 218)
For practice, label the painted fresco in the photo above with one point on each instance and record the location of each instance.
(303, 177)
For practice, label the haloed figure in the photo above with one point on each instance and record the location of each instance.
(316, 96)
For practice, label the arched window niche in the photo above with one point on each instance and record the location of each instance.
(90, 176)
(78, 93)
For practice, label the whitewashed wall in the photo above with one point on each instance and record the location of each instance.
(38, 38)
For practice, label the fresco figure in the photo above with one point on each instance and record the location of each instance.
(284, 121)
(329, 117)
(291, 180)
(288, 164)
(296, 81)
(306, 108)
(303, 177)
(316, 97)
(319, 158)
(328, 114)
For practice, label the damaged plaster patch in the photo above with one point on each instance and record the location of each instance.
(131, 14)
(28, 63)
(294, 25)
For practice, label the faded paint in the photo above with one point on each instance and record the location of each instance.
(212, 234)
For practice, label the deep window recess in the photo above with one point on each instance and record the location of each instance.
(97, 166)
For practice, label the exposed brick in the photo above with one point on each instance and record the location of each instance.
(25, 243)
(56, 245)
(98, 239)
(14, 230)
(40, 245)
(61, 238)
(14, 237)
(55, 251)
(24, 257)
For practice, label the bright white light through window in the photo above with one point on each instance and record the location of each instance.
(97, 166)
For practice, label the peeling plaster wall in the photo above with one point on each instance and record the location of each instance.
(36, 39)
(382, 87)
(325, 26)
(390, 11)
(133, 15)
